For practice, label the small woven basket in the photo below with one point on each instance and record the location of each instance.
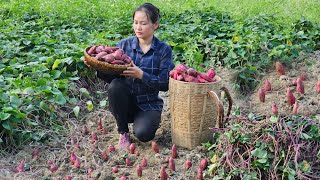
(194, 108)
(104, 66)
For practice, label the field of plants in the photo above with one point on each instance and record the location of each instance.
(54, 116)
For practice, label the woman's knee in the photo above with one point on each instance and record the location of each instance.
(144, 135)
(116, 86)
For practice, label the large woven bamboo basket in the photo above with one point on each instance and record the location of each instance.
(104, 66)
(194, 108)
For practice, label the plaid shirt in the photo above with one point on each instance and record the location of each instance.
(155, 64)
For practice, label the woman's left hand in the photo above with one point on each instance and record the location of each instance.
(133, 71)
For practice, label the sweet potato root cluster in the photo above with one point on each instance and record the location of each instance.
(112, 55)
(187, 74)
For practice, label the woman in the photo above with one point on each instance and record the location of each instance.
(134, 95)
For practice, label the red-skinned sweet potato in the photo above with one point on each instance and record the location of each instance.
(211, 73)
(92, 50)
(108, 58)
(192, 72)
(100, 55)
(99, 48)
(181, 68)
(119, 62)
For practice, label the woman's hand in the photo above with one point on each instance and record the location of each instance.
(133, 71)
(86, 62)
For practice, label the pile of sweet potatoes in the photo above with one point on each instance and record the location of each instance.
(112, 55)
(184, 73)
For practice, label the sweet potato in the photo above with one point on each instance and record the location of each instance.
(68, 177)
(53, 167)
(280, 68)
(211, 73)
(77, 163)
(274, 108)
(300, 86)
(144, 162)
(181, 68)
(187, 77)
(290, 97)
(93, 137)
(100, 55)
(180, 77)
(128, 162)
(206, 77)
(124, 56)
(111, 148)
(203, 164)
(100, 48)
(192, 72)
(108, 58)
(73, 157)
(201, 80)
(114, 169)
(155, 147)
(267, 85)
(174, 151)
(132, 148)
(188, 164)
(120, 62)
(123, 178)
(114, 48)
(20, 167)
(92, 50)
(108, 49)
(172, 164)
(118, 54)
(175, 75)
(318, 86)
(139, 170)
(104, 155)
(127, 60)
(99, 124)
(163, 174)
(199, 174)
(171, 73)
(262, 95)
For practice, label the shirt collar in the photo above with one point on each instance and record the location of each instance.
(155, 42)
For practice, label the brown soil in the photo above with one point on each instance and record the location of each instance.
(59, 147)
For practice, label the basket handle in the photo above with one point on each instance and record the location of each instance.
(215, 97)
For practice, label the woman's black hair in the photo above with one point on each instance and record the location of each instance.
(153, 13)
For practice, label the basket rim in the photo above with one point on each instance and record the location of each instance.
(184, 82)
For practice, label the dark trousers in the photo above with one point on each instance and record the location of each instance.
(122, 106)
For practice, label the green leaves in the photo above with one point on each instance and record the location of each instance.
(89, 105)
(76, 111)
(4, 116)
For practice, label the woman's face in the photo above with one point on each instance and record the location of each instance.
(142, 26)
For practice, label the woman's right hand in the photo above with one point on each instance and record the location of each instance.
(86, 62)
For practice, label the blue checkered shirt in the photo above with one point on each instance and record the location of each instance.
(155, 64)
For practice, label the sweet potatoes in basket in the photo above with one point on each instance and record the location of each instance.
(108, 54)
(187, 74)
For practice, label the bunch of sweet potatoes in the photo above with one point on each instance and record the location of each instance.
(112, 55)
(184, 73)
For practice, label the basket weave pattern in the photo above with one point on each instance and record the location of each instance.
(104, 66)
(192, 112)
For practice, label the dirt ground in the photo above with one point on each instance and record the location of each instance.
(58, 150)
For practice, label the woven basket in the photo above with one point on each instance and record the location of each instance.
(104, 66)
(194, 108)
